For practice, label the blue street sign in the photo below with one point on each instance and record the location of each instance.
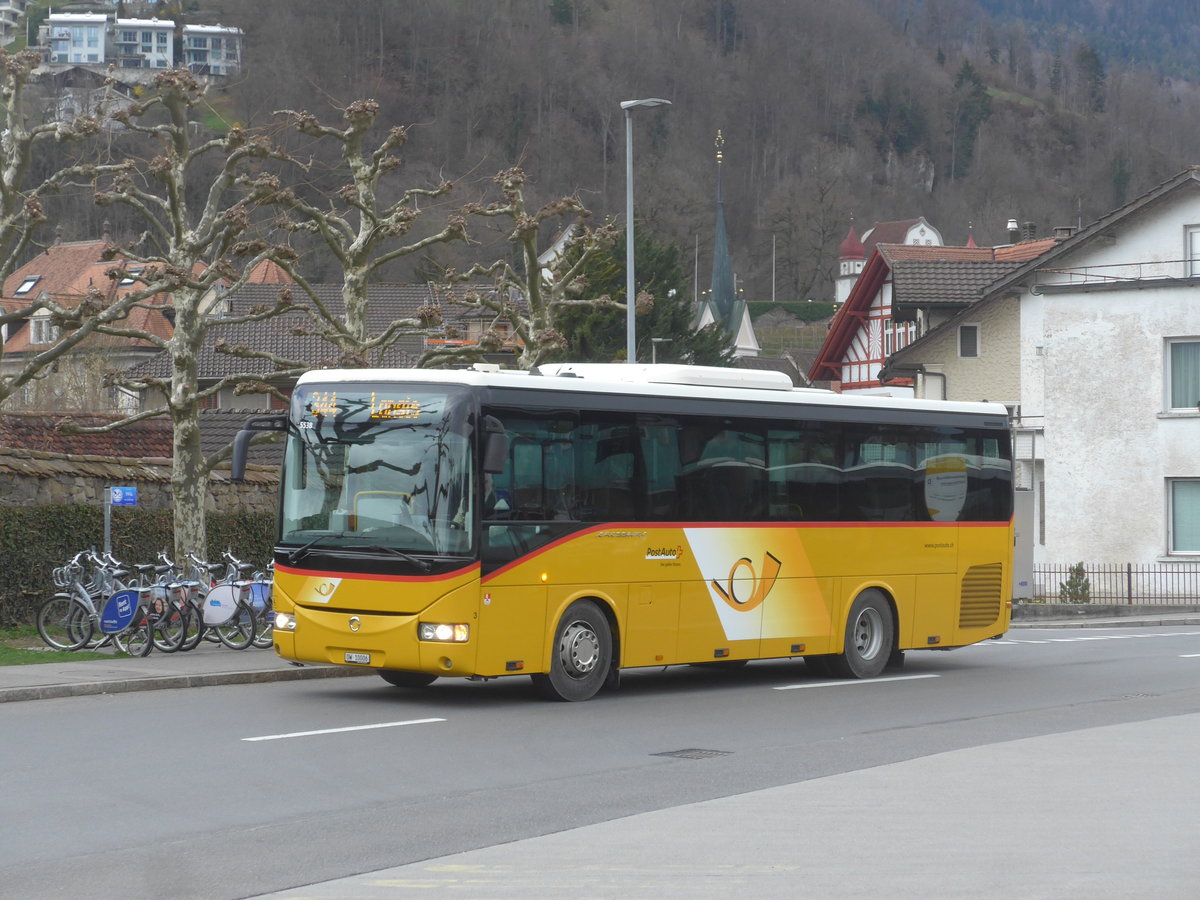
(124, 496)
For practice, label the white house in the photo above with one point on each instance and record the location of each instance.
(1098, 341)
(75, 37)
(12, 19)
(145, 43)
(853, 253)
(212, 49)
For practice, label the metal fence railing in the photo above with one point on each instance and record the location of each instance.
(1115, 583)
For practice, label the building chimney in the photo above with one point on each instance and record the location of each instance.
(1014, 232)
(1062, 232)
(58, 231)
(106, 232)
(1029, 231)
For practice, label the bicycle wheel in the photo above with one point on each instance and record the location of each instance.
(263, 636)
(193, 628)
(238, 632)
(63, 623)
(137, 639)
(170, 629)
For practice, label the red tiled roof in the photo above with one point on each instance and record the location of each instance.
(149, 438)
(268, 272)
(887, 232)
(1026, 250)
(894, 253)
(67, 272)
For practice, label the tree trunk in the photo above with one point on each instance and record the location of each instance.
(189, 474)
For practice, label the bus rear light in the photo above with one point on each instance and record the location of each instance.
(444, 633)
(285, 621)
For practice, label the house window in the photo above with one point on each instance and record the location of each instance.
(1185, 515)
(42, 330)
(27, 285)
(1183, 374)
(968, 341)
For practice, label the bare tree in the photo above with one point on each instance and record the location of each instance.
(21, 213)
(528, 293)
(199, 253)
(363, 231)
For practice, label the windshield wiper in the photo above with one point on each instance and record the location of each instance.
(423, 564)
(303, 549)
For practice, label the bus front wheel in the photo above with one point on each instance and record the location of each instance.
(401, 678)
(870, 635)
(581, 655)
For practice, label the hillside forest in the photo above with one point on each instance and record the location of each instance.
(968, 112)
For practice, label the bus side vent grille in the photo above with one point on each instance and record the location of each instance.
(979, 605)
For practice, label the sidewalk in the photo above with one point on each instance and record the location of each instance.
(214, 665)
(208, 664)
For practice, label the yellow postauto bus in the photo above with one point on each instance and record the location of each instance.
(581, 519)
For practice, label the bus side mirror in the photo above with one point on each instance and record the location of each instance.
(495, 445)
(241, 442)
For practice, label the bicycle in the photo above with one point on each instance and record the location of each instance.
(123, 616)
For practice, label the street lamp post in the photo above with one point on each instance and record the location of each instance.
(630, 291)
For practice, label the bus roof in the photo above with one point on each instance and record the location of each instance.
(663, 380)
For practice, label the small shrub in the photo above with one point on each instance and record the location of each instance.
(1077, 588)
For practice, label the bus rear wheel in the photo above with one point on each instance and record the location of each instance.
(581, 655)
(870, 635)
(402, 678)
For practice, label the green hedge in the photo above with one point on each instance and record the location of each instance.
(805, 312)
(35, 540)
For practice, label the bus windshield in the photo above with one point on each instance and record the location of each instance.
(380, 468)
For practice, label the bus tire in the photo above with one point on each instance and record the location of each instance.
(581, 656)
(406, 679)
(870, 636)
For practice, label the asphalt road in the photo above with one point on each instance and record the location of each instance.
(245, 790)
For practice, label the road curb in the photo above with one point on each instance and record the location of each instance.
(170, 682)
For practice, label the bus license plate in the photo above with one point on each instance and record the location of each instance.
(361, 658)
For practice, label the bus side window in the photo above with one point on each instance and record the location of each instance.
(538, 482)
(728, 482)
(659, 442)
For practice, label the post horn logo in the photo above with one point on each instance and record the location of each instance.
(758, 587)
(325, 588)
(355, 623)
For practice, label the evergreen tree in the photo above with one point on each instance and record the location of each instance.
(597, 334)
(972, 107)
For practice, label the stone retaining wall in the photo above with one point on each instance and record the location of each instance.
(36, 478)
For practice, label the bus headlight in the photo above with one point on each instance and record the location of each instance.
(285, 621)
(444, 633)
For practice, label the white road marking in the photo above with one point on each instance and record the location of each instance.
(814, 684)
(1082, 638)
(296, 734)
